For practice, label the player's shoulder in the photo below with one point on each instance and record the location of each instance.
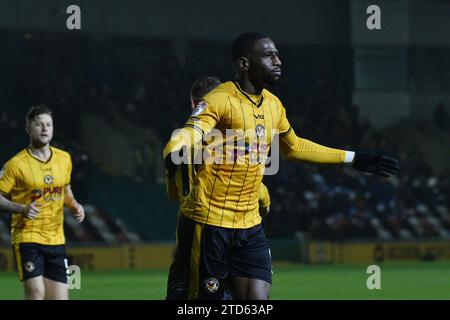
(59, 153)
(219, 93)
(18, 158)
(16, 163)
(270, 96)
(216, 98)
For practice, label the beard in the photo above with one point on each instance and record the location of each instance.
(36, 143)
(264, 78)
(272, 79)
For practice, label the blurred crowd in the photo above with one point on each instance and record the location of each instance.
(340, 203)
(148, 83)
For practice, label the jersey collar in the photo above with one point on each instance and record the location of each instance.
(257, 104)
(31, 155)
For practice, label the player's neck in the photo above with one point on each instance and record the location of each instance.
(248, 87)
(42, 153)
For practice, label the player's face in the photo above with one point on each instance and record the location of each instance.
(265, 65)
(41, 130)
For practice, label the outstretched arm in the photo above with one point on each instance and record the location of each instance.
(296, 148)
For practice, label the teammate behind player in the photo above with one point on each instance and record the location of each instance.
(178, 185)
(34, 187)
(221, 224)
(179, 182)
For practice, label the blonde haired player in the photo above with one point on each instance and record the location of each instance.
(34, 188)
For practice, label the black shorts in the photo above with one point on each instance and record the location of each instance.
(207, 256)
(33, 260)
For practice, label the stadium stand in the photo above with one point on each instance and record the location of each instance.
(127, 99)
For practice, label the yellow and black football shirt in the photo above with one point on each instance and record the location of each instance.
(26, 179)
(226, 194)
(180, 182)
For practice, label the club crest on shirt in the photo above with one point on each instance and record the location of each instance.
(2, 172)
(48, 179)
(211, 285)
(202, 105)
(29, 266)
(260, 131)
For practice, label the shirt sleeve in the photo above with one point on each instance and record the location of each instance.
(296, 148)
(206, 115)
(8, 176)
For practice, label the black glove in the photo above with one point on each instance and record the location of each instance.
(375, 163)
(171, 167)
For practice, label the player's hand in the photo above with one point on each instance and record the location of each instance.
(31, 210)
(78, 212)
(171, 167)
(375, 163)
(264, 211)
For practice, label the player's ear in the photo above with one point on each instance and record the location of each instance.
(192, 103)
(243, 63)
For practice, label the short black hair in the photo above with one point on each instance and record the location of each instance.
(244, 44)
(202, 86)
(38, 110)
